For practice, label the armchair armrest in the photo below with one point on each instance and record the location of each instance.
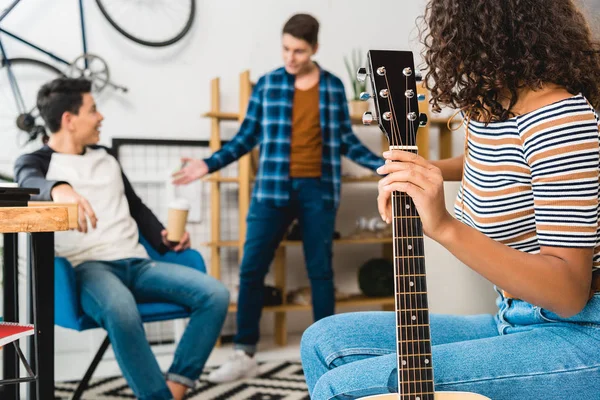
(66, 304)
(190, 257)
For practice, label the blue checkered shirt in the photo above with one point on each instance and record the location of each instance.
(268, 123)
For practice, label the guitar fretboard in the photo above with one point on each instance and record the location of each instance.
(415, 374)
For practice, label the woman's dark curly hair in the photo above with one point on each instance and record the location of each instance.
(477, 51)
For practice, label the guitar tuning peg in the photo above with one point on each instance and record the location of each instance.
(361, 74)
(364, 96)
(368, 118)
(422, 119)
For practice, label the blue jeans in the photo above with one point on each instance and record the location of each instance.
(109, 294)
(266, 225)
(523, 352)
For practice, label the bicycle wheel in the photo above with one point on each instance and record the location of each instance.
(154, 23)
(29, 75)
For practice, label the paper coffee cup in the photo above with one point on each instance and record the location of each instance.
(177, 219)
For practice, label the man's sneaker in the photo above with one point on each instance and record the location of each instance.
(239, 366)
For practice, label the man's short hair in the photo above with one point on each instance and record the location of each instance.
(303, 26)
(59, 96)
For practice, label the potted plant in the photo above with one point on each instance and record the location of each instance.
(353, 63)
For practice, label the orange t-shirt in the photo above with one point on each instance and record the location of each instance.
(307, 142)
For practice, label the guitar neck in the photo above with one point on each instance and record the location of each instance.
(415, 370)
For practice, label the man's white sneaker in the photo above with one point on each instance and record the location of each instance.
(239, 366)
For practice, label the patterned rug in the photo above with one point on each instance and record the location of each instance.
(277, 381)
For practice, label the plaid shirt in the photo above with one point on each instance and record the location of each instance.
(268, 122)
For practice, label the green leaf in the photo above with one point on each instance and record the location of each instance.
(352, 76)
(353, 62)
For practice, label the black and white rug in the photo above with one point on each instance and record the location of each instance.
(282, 380)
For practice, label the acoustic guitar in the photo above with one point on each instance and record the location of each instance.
(394, 84)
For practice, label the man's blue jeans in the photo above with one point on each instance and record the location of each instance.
(109, 294)
(266, 225)
(523, 352)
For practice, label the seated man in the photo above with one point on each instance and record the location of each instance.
(112, 268)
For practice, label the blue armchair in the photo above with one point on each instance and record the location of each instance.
(68, 313)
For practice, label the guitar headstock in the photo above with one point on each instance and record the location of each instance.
(393, 80)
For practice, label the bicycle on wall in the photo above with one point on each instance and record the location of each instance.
(153, 23)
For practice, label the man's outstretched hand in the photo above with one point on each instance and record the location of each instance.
(192, 169)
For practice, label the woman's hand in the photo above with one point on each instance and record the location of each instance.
(422, 181)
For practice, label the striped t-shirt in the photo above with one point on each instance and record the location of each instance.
(532, 180)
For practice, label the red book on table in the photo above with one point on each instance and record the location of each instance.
(10, 331)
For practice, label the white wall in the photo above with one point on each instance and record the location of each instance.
(169, 89)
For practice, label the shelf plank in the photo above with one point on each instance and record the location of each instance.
(355, 301)
(223, 116)
(345, 179)
(235, 243)
(229, 116)
(374, 240)
(213, 178)
(355, 119)
(222, 243)
(444, 120)
(360, 179)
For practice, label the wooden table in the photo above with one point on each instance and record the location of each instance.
(40, 220)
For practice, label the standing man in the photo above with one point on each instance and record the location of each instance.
(299, 115)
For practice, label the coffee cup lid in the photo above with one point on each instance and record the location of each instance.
(180, 204)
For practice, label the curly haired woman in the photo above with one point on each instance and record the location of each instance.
(526, 76)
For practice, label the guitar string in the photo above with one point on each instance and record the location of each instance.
(395, 140)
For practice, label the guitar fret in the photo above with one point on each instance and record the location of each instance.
(409, 376)
(410, 267)
(416, 362)
(414, 332)
(414, 347)
(415, 374)
(416, 382)
(411, 299)
(413, 317)
(421, 390)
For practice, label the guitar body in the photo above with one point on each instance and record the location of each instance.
(437, 396)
